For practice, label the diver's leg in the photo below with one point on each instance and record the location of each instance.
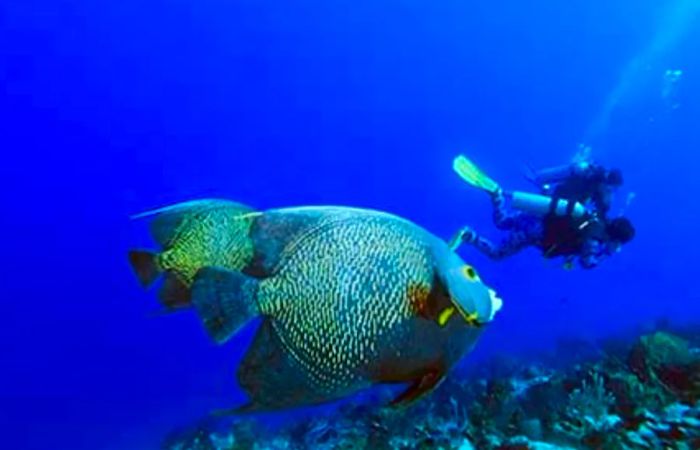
(511, 245)
(502, 217)
(526, 231)
(468, 236)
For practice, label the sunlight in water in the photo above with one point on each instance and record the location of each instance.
(672, 28)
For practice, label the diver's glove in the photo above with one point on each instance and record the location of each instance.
(498, 196)
(465, 235)
(569, 264)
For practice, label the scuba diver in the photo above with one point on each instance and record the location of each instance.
(557, 226)
(582, 181)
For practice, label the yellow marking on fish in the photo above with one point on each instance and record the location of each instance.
(473, 319)
(445, 315)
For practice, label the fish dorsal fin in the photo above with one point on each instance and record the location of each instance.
(168, 220)
(277, 233)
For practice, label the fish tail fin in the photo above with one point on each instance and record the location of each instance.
(174, 294)
(470, 173)
(272, 377)
(145, 265)
(225, 301)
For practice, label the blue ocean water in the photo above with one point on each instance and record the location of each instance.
(110, 109)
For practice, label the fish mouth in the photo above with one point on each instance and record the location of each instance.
(496, 303)
(473, 318)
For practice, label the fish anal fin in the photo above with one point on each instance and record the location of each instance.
(225, 300)
(235, 411)
(245, 408)
(271, 376)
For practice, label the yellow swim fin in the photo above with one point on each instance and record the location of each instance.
(470, 173)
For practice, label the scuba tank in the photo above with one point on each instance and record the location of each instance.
(541, 205)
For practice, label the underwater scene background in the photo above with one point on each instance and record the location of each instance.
(109, 109)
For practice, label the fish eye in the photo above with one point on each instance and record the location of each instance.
(469, 273)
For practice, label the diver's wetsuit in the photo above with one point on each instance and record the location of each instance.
(527, 230)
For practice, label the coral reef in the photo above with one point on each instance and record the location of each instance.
(641, 394)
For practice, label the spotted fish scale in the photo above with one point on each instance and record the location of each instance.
(216, 238)
(348, 297)
(361, 269)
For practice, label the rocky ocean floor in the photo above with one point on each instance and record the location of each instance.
(639, 393)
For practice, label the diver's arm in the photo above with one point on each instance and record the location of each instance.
(591, 253)
(602, 199)
(510, 246)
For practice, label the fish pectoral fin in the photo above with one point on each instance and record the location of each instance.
(419, 387)
(225, 301)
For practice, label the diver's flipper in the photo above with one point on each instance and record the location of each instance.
(167, 220)
(420, 387)
(272, 377)
(470, 173)
(225, 301)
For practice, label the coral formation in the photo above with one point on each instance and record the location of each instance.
(639, 395)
